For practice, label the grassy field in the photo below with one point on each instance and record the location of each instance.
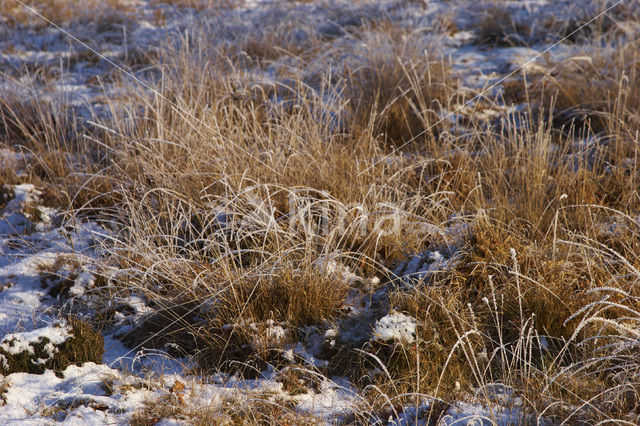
(292, 185)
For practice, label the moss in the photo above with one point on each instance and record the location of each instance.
(83, 345)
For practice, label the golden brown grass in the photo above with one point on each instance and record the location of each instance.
(63, 160)
(397, 88)
(103, 13)
(228, 203)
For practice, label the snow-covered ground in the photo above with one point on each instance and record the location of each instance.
(41, 247)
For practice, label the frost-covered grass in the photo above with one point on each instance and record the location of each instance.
(320, 212)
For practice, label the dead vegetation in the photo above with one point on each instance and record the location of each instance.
(231, 195)
(587, 89)
(258, 409)
(587, 24)
(397, 89)
(498, 27)
(102, 14)
(60, 152)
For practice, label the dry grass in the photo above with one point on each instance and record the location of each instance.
(260, 268)
(588, 89)
(583, 25)
(258, 409)
(283, 34)
(498, 27)
(200, 5)
(102, 14)
(63, 160)
(230, 194)
(397, 88)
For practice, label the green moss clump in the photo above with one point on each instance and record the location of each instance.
(83, 345)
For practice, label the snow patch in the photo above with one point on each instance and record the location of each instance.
(397, 327)
(16, 343)
(423, 266)
(328, 265)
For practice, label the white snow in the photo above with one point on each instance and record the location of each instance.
(330, 266)
(274, 332)
(422, 266)
(27, 249)
(78, 396)
(16, 343)
(396, 327)
(334, 398)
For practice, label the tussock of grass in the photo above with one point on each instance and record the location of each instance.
(583, 25)
(398, 88)
(498, 27)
